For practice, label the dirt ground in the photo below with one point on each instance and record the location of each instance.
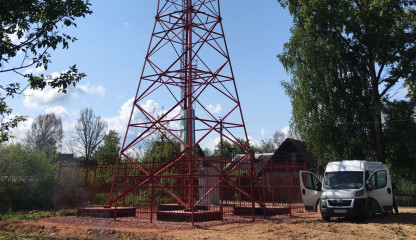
(298, 226)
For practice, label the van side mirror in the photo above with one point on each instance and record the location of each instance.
(368, 186)
(318, 186)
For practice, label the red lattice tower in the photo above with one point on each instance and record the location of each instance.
(188, 71)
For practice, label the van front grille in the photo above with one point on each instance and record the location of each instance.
(339, 203)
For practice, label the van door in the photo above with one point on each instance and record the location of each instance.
(381, 189)
(310, 187)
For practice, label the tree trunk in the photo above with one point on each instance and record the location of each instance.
(378, 125)
(379, 136)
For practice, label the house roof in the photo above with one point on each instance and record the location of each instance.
(260, 159)
(293, 145)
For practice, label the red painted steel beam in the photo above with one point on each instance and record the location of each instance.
(187, 29)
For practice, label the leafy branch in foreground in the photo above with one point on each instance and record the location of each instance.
(29, 30)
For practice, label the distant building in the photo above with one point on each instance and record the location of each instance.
(278, 173)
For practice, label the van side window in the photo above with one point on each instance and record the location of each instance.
(309, 181)
(379, 179)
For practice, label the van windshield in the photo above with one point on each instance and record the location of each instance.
(343, 180)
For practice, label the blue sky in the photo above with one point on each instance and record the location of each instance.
(111, 49)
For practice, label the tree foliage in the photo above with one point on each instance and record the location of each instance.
(345, 57)
(160, 149)
(400, 134)
(29, 31)
(229, 150)
(109, 151)
(27, 179)
(89, 133)
(265, 146)
(45, 133)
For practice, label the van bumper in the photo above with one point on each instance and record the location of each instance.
(358, 209)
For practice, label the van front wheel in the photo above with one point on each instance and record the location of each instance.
(326, 218)
(369, 212)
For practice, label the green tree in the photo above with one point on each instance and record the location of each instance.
(29, 30)
(27, 179)
(109, 151)
(400, 132)
(45, 133)
(279, 137)
(345, 57)
(161, 150)
(266, 146)
(228, 150)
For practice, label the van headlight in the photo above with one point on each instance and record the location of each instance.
(359, 193)
(323, 203)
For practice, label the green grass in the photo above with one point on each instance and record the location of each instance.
(67, 212)
(10, 236)
(6, 235)
(33, 215)
(24, 215)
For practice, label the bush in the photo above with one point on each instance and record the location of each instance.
(27, 179)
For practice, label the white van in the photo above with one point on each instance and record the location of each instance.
(350, 188)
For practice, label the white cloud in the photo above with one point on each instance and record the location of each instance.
(87, 89)
(253, 141)
(49, 97)
(20, 131)
(285, 130)
(119, 123)
(214, 109)
(211, 144)
(174, 114)
(68, 127)
(263, 132)
(15, 39)
(35, 99)
(150, 106)
(59, 111)
(34, 70)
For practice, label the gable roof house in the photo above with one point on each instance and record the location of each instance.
(280, 176)
(293, 151)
